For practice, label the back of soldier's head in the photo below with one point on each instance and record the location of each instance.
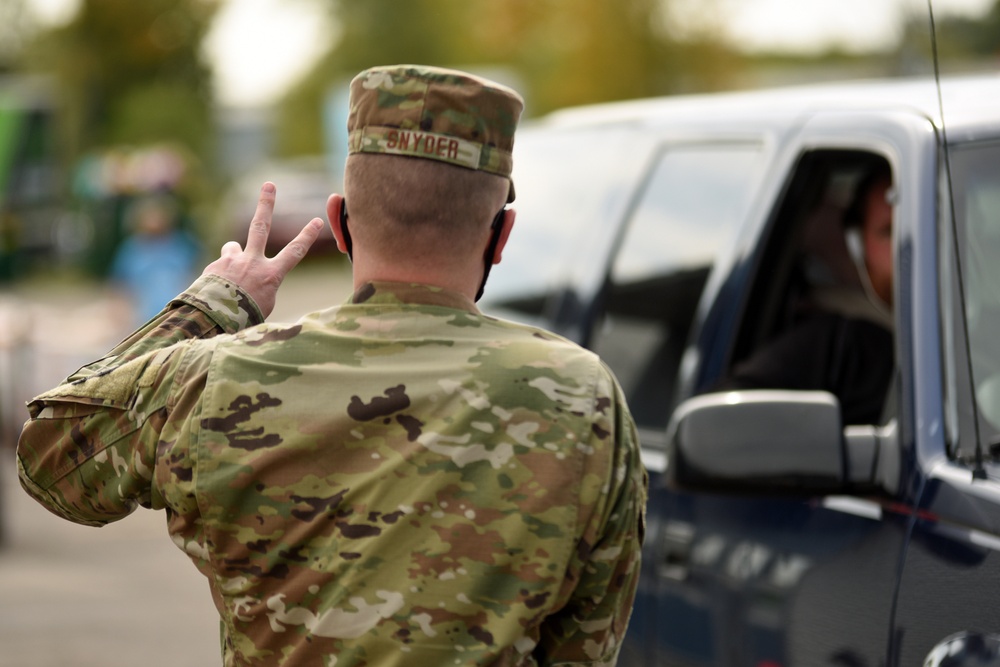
(430, 150)
(395, 203)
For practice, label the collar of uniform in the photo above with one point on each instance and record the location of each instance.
(382, 292)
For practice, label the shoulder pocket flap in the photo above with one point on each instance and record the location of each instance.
(113, 387)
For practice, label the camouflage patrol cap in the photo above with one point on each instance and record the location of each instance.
(436, 114)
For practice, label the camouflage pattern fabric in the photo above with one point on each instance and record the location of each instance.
(434, 113)
(400, 480)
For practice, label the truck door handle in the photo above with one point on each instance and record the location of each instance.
(675, 562)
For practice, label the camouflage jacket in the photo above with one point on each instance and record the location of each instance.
(400, 480)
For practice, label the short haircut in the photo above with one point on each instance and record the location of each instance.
(403, 204)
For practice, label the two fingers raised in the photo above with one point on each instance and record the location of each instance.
(249, 268)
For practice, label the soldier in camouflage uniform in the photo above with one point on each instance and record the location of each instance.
(400, 480)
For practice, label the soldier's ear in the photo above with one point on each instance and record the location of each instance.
(336, 213)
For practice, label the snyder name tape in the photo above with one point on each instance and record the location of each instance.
(429, 145)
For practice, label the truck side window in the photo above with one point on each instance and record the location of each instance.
(820, 311)
(693, 200)
(569, 184)
(976, 183)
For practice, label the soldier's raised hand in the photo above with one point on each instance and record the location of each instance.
(258, 275)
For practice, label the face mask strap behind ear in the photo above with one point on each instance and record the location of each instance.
(495, 228)
(343, 230)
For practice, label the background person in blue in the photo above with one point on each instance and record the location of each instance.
(158, 260)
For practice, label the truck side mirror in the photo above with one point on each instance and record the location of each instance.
(774, 442)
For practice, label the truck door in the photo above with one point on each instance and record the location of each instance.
(690, 207)
(764, 571)
(946, 613)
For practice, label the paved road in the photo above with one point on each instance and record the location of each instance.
(122, 595)
(118, 596)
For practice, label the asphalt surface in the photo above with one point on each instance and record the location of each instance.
(121, 595)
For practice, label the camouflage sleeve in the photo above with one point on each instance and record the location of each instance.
(86, 453)
(589, 630)
(212, 305)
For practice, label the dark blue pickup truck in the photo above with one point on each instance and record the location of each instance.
(677, 237)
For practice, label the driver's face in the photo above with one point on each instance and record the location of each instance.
(877, 234)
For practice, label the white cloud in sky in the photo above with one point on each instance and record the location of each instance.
(813, 25)
(261, 47)
(53, 12)
(805, 26)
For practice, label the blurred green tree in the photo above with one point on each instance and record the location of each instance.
(131, 72)
(963, 42)
(971, 37)
(559, 52)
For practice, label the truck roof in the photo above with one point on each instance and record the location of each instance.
(967, 100)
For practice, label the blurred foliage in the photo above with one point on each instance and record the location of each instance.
(130, 72)
(557, 52)
(129, 77)
(568, 52)
(960, 40)
(132, 109)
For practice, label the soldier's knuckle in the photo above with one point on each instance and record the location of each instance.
(272, 278)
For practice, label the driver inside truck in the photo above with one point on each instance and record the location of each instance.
(844, 341)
